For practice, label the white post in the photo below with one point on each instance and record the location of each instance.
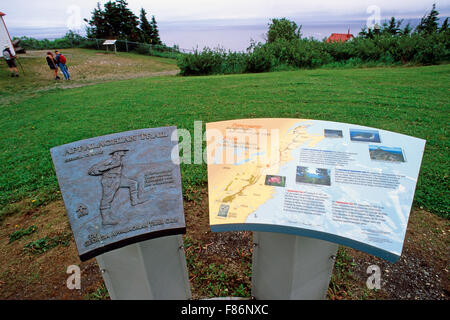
(150, 270)
(290, 267)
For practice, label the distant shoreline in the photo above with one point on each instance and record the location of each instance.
(225, 34)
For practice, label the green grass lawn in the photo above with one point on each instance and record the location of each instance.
(411, 101)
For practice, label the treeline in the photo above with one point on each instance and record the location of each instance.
(69, 40)
(74, 40)
(388, 44)
(114, 21)
(117, 21)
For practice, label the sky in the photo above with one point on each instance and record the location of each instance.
(197, 19)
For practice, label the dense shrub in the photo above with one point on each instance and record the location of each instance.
(385, 49)
(432, 49)
(390, 44)
(259, 59)
(340, 51)
(234, 62)
(70, 40)
(205, 62)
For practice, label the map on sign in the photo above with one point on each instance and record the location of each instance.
(120, 189)
(338, 182)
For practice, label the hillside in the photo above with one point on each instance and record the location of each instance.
(39, 115)
(85, 66)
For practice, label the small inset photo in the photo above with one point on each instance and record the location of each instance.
(313, 175)
(329, 133)
(223, 210)
(276, 181)
(365, 135)
(382, 153)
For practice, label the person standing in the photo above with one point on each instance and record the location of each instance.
(11, 61)
(112, 180)
(61, 62)
(52, 64)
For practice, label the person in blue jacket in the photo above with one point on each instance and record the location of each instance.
(61, 61)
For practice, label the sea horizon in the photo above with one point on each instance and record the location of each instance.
(229, 35)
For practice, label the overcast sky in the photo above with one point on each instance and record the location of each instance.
(60, 13)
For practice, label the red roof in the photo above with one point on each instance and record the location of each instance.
(2, 14)
(340, 37)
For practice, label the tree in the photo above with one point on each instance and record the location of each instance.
(393, 27)
(406, 30)
(155, 36)
(444, 26)
(429, 23)
(283, 29)
(115, 21)
(97, 25)
(146, 28)
(366, 33)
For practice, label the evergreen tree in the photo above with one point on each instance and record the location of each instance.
(363, 33)
(393, 27)
(429, 22)
(97, 25)
(155, 36)
(146, 28)
(406, 30)
(115, 21)
(444, 26)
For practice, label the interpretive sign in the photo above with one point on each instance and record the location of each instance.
(109, 42)
(120, 189)
(338, 182)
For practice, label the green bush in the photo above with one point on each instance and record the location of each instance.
(205, 62)
(234, 62)
(259, 59)
(285, 49)
(430, 50)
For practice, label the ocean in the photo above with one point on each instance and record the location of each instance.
(228, 35)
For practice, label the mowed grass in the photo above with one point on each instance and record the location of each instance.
(411, 101)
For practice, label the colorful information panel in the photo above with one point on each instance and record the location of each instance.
(338, 182)
(121, 188)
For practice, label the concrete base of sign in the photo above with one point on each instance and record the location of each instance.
(149, 270)
(290, 267)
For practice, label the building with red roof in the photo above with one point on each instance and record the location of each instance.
(340, 37)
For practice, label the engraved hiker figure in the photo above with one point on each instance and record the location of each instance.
(112, 180)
